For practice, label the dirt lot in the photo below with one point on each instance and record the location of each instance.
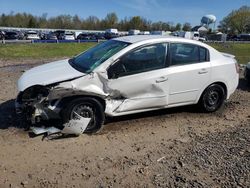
(169, 148)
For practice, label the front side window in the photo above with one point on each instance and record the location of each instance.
(143, 59)
(183, 53)
(92, 58)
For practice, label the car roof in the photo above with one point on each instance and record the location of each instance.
(139, 38)
(133, 39)
(147, 38)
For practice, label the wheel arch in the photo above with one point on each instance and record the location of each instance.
(64, 101)
(221, 83)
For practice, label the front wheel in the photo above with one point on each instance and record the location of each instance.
(212, 98)
(87, 108)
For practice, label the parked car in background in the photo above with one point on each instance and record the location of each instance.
(111, 33)
(134, 32)
(247, 72)
(91, 36)
(12, 35)
(68, 36)
(2, 35)
(243, 37)
(49, 36)
(86, 36)
(32, 35)
(99, 36)
(128, 75)
(59, 34)
(232, 37)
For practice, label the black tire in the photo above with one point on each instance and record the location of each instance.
(90, 108)
(212, 98)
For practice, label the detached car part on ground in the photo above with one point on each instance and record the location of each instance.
(127, 75)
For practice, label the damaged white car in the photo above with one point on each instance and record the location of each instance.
(127, 75)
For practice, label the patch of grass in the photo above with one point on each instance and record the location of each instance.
(42, 51)
(240, 50)
(46, 51)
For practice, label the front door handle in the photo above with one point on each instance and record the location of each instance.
(203, 71)
(161, 79)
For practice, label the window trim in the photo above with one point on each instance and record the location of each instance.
(166, 64)
(170, 59)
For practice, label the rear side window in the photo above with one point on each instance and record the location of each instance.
(182, 54)
(204, 56)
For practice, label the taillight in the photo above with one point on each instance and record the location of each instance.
(237, 67)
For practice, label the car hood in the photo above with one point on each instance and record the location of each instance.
(50, 73)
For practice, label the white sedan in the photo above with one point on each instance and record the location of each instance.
(128, 75)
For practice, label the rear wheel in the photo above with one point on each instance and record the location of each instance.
(212, 98)
(87, 108)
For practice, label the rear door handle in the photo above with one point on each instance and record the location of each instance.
(161, 79)
(203, 71)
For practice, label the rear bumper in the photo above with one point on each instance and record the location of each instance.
(233, 85)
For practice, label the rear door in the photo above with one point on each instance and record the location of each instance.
(189, 72)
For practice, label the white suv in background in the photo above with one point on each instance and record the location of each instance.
(32, 35)
(128, 75)
(68, 36)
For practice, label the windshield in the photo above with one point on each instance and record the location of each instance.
(92, 58)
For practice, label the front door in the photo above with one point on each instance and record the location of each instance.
(139, 79)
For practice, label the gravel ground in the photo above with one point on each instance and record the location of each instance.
(177, 147)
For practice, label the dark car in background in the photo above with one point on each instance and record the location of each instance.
(100, 36)
(49, 36)
(244, 37)
(86, 36)
(59, 34)
(13, 35)
(110, 35)
(83, 36)
(91, 36)
(247, 73)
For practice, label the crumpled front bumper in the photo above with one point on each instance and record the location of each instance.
(18, 105)
(34, 112)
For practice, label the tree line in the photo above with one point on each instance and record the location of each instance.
(237, 21)
(89, 23)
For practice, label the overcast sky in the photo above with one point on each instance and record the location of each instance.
(155, 10)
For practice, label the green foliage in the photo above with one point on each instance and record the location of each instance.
(42, 51)
(241, 51)
(89, 23)
(178, 27)
(238, 21)
(111, 20)
(46, 51)
(186, 27)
